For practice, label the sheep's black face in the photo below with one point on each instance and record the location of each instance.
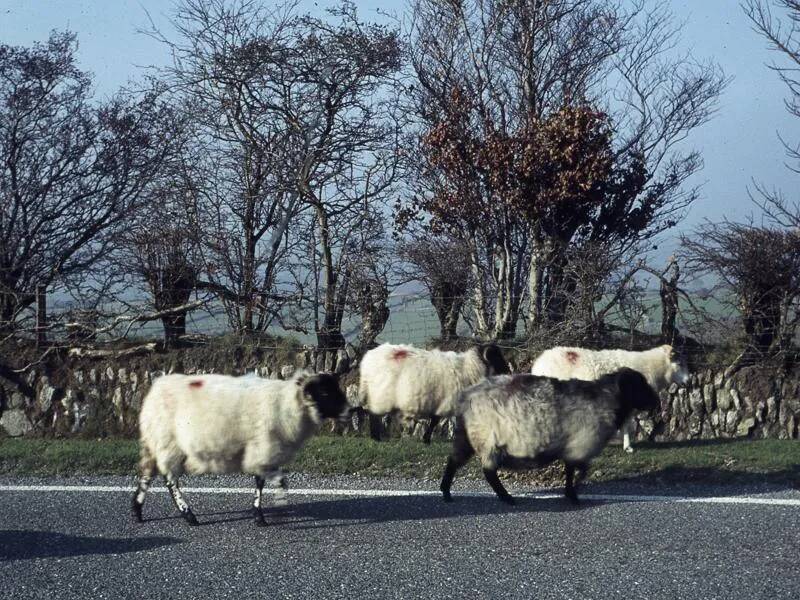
(324, 390)
(494, 360)
(635, 390)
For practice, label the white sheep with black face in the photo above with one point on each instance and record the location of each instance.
(661, 366)
(421, 383)
(526, 421)
(223, 424)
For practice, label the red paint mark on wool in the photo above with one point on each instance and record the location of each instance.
(572, 357)
(195, 384)
(400, 354)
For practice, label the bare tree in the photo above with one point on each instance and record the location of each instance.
(373, 276)
(441, 264)
(759, 269)
(71, 171)
(161, 249)
(494, 78)
(347, 142)
(293, 127)
(233, 165)
(778, 21)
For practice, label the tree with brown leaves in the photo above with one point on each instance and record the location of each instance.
(545, 125)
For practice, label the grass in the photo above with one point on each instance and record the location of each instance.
(34, 456)
(709, 461)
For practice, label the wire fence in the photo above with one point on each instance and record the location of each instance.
(412, 320)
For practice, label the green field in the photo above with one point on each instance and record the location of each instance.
(711, 461)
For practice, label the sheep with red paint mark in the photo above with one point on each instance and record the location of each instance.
(661, 366)
(223, 424)
(418, 383)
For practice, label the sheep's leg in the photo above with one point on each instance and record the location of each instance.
(569, 488)
(627, 431)
(375, 427)
(179, 501)
(258, 514)
(278, 481)
(147, 469)
(462, 452)
(454, 463)
(497, 486)
(426, 437)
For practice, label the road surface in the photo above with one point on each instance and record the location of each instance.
(355, 538)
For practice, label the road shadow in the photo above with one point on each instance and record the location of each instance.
(26, 545)
(348, 511)
(702, 481)
(222, 516)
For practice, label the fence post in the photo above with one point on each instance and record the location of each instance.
(41, 315)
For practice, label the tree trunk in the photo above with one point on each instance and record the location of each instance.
(669, 301)
(536, 268)
(508, 298)
(556, 295)
(174, 329)
(329, 335)
(448, 329)
(11, 303)
(374, 313)
(479, 298)
(447, 302)
(249, 268)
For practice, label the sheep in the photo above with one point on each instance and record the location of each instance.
(223, 424)
(421, 383)
(527, 421)
(660, 366)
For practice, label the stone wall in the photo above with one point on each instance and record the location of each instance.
(97, 398)
(755, 402)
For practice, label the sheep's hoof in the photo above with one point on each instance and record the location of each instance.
(136, 511)
(508, 500)
(258, 518)
(629, 450)
(190, 518)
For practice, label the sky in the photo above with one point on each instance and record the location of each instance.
(740, 145)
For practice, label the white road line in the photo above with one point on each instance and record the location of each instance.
(755, 500)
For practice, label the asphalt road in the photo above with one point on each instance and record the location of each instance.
(67, 544)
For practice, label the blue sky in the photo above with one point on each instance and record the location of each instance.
(738, 145)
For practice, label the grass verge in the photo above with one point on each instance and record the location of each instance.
(708, 461)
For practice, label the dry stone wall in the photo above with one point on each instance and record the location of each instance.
(754, 402)
(102, 397)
